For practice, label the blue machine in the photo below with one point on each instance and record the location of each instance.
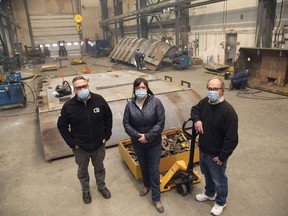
(181, 61)
(184, 61)
(12, 90)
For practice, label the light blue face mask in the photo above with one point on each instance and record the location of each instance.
(83, 95)
(213, 96)
(141, 94)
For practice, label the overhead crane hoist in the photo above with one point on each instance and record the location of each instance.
(78, 19)
(76, 61)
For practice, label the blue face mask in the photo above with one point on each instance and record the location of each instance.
(141, 94)
(83, 95)
(213, 96)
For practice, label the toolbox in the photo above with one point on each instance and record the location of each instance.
(165, 163)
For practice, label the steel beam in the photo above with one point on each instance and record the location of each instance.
(158, 8)
(3, 37)
(104, 10)
(29, 22)
(143, 21)
(118, 10)
(9, 19)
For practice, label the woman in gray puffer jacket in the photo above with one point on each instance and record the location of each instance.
(144, 120)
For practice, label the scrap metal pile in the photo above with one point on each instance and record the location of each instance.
(171, 145)
(32, 56)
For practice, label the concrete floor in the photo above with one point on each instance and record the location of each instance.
(257, 171)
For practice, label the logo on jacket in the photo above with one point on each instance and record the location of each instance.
(96, 110)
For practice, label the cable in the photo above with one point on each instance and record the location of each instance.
(245, 94)
(34, 100)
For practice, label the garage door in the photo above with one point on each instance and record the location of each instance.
(48, 30)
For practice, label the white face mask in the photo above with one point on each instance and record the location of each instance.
(213, 96)
(83, 95)
(141, 93)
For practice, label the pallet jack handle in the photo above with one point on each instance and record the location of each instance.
(191, 136)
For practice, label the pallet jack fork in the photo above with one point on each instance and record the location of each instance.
(186, 175)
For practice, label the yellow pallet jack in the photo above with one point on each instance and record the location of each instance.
(181, 175)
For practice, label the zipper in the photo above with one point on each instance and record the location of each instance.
(89, 122)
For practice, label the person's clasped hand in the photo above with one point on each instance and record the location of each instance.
(142, 138)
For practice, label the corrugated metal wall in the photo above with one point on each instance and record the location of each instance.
(49, 29)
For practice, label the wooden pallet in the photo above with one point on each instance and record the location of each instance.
(273, 89)
(216, 73)
(49, 67)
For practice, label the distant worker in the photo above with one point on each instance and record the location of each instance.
(239, 80)
(139, 59)
(85, 123)
(185, 50)
(163, 39)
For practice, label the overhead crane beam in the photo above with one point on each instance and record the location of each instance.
(9, 19)
(157, 8)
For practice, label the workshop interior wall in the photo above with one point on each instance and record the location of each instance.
(91, 12)
(129, 6)
(209, 23)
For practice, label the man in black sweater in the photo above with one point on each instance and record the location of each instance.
(217, 124)
(85, 123)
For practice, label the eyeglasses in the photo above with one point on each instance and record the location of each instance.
(80, 87)
(214, 89)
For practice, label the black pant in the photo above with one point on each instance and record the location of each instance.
(82, 159)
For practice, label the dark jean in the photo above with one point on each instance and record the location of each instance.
(240, 83)
(149, 160)
(215, 178)
(82, 159)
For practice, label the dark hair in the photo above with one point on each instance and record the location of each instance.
(138, 81)
(78, 78)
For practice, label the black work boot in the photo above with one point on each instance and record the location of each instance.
(86, 197)
(105, 193)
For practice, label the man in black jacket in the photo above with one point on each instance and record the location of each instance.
(85, 123)
(217, 124)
